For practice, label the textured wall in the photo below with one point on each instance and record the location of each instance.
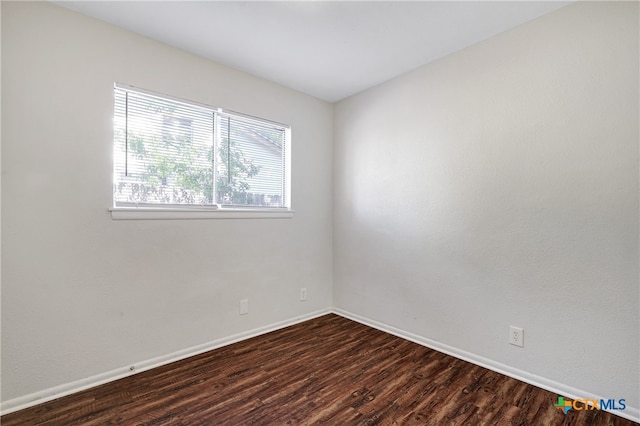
(499, 186)
(83, 294)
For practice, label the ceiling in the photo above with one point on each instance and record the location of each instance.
(327, 49)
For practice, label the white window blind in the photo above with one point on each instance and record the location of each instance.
(173, 153)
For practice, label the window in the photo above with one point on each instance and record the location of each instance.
(174, 154)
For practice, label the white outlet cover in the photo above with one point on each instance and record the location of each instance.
(244, 307)
(516, 336)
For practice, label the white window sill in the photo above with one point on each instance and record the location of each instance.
(147, 213)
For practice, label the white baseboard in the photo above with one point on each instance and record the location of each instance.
(630, 413)
(40, 397)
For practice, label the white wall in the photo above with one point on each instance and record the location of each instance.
(83, 294)
(499, 186)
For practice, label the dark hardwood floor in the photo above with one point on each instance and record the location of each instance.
(328, 370)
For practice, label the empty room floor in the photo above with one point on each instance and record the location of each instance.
(328, 370)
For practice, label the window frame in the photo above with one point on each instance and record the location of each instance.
(157, 211)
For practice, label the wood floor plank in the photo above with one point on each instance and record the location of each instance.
(328, 370)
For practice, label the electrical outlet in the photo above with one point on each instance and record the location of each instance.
(303, 294)
(244, 307)
(516, 336)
